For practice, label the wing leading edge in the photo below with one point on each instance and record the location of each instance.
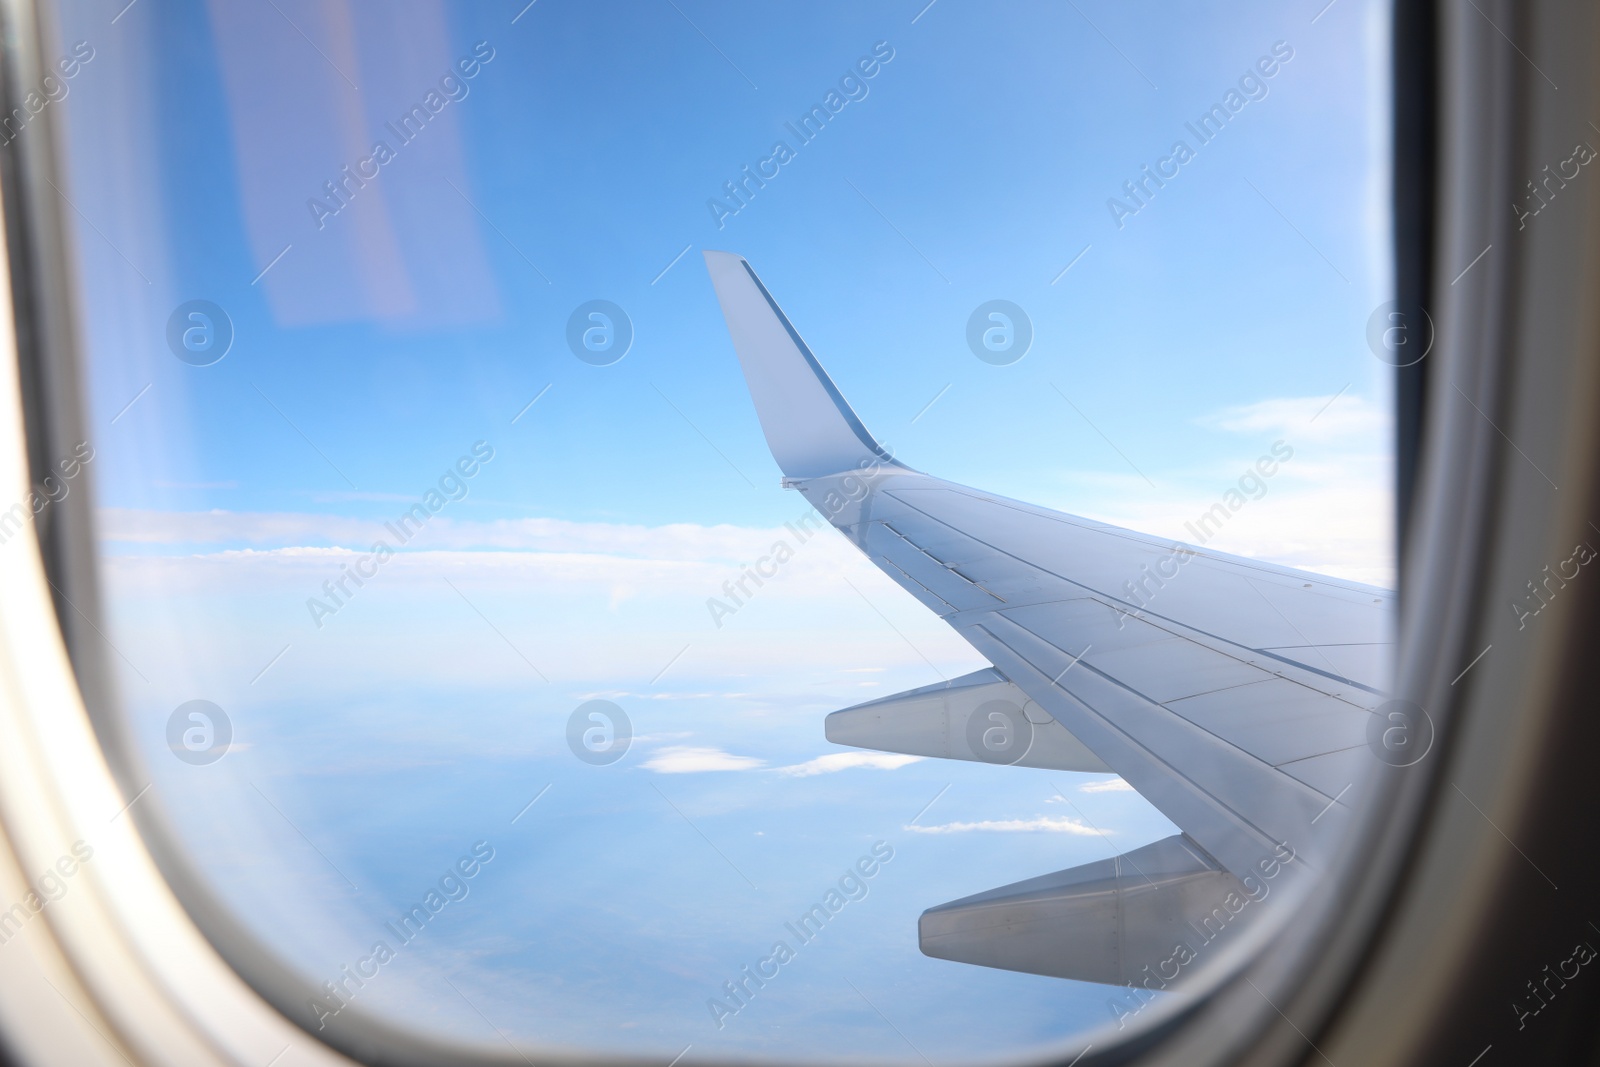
(1234, 695)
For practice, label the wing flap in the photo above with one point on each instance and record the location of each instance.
(1234, 804)
(1332, 772)
(1172, 668)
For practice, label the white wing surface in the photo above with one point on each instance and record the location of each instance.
(1236, 696)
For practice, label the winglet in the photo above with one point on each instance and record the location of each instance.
(808, 424)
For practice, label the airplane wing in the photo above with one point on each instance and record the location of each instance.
(1234, 695)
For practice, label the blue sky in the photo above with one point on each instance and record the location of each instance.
(375, 345)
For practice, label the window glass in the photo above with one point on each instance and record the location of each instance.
(472, 645)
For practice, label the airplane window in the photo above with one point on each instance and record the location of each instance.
(690, 530)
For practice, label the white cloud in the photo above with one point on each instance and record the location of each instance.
(1110, 785)
(1055, 824)
(1326, 509)
(692, 759)
(843, 761)
(595, 605)
(1350, 419)
(687, 759)
(655, 739)
(673, 541)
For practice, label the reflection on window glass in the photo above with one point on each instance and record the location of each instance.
(472, 595)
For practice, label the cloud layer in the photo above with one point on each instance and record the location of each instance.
(1051, 824)
(1110, 785)
(692, 759)
(844, 761)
